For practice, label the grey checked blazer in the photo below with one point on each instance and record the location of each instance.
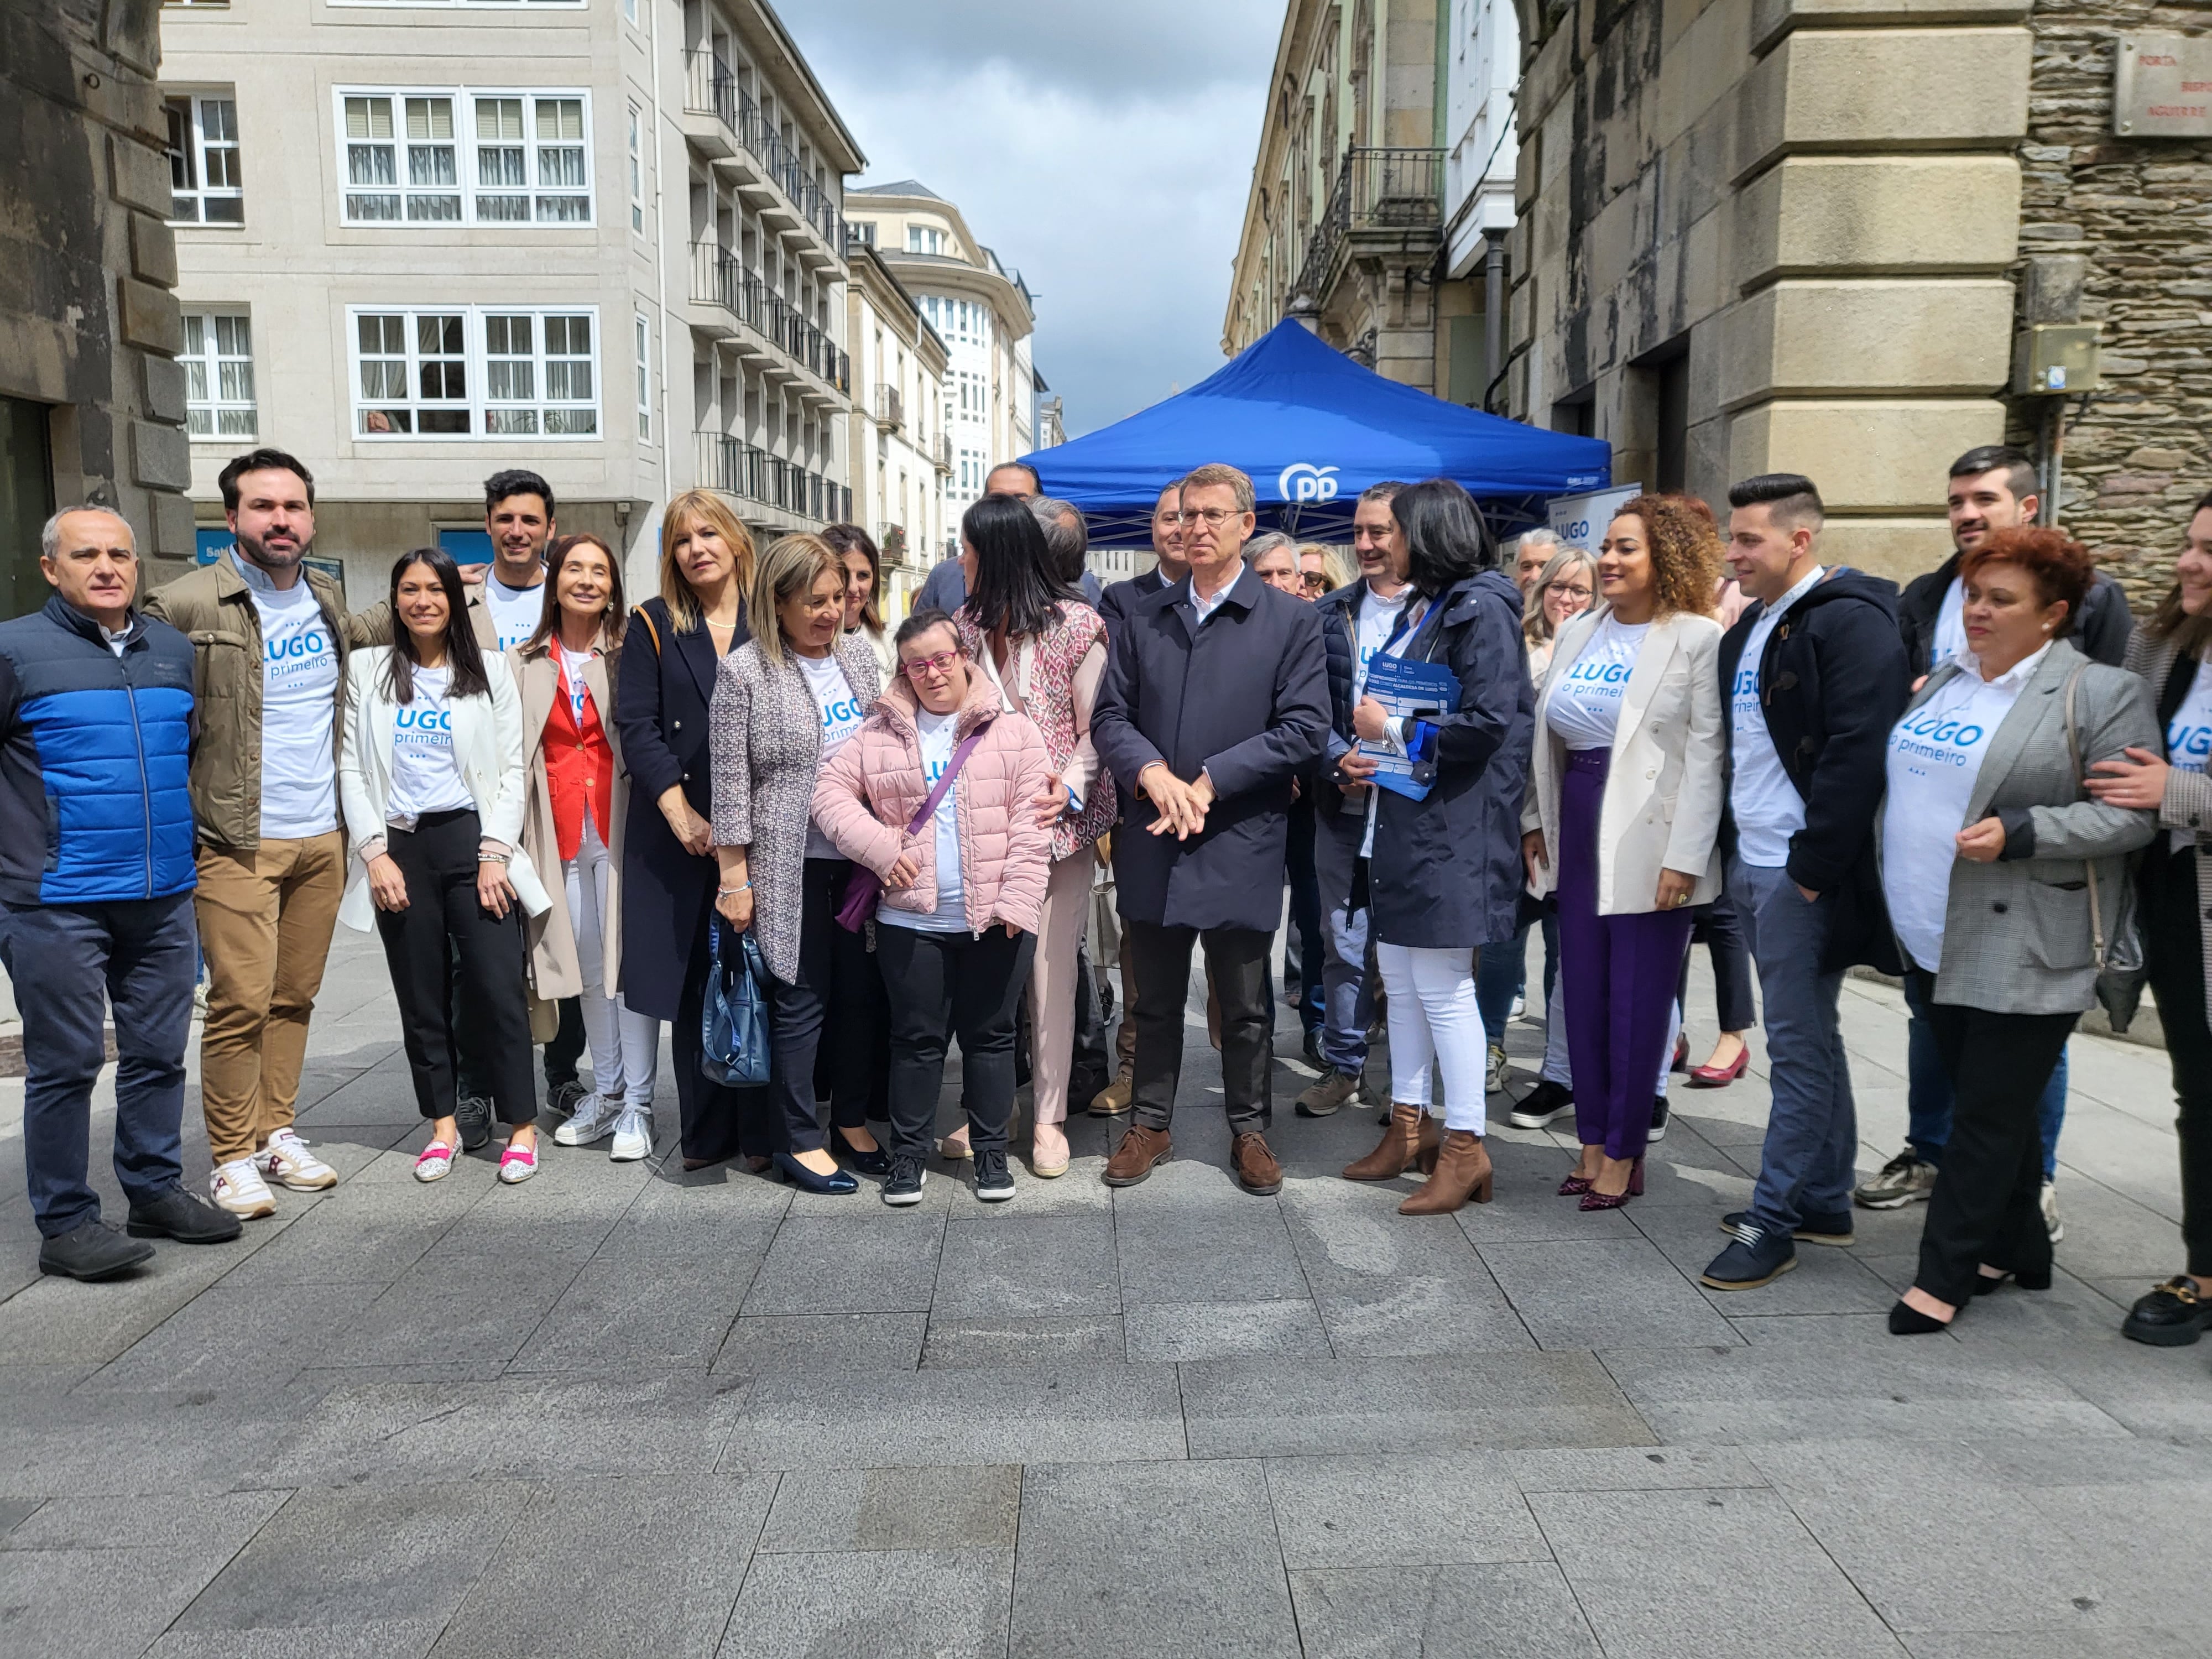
(2016, 934)
(766, 737)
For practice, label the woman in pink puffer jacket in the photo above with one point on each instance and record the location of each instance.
(962, 895)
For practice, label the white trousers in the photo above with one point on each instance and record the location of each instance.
(1556, 1069)
(625, 1047)
(1435, 1024)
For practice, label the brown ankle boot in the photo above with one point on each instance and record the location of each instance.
(1462, 1172)
(1410, 1139)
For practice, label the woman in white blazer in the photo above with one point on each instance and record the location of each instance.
(1625, 789)
(430, 778)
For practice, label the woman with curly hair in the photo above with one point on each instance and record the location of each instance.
(1626, 786)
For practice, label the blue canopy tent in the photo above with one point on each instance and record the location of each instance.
(1313, 429)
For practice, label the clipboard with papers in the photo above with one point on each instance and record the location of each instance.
(1407, 688)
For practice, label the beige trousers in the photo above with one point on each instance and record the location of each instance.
(1051, 984)
(265, 919)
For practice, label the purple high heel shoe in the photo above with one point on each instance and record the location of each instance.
(1594, 1200)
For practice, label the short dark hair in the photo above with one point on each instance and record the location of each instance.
(2060, 567)
(261, 460)
(2015, 463)
(517, 480)
(920, 623)
(1793, 497)
(1385, 492)
(1036, 482)
(1446, 539)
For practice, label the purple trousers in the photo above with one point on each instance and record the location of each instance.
(1620, 972)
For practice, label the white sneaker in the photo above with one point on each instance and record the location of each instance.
(2052, 1223)
(287, 1161)
(237, 1188)
(1494, 1079)
(632, 1135)
(593, 1120)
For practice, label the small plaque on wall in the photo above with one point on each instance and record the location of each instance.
(2162, 86)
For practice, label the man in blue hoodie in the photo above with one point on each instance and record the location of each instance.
(1813, 676)
(97, 894)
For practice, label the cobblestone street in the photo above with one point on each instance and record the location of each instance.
(624, 1411)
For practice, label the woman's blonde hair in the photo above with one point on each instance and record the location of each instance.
(1331, 563)
(1686, 551)
(793, 564)
(690, 509)
(1536, 620)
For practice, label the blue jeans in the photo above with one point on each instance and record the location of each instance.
(1805, 1167)
(1347, 995)
(1305, 916)
(1928, 1092)
(68, 963)
(1499, 971)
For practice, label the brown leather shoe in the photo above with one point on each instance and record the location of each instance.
(1257, 1172)
(1410, 1139)
(1462, 1172)
(1133, 1160)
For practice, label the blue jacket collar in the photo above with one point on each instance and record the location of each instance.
(61, 612)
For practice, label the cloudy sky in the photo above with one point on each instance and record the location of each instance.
(1104, 151)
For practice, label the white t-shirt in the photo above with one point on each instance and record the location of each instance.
(842, 713)
(515, 611)
(1936, 753)
(1950, 639)
(1377, 616)
(2189, 737)
(1767, 807)
(426, 772)
(299, 710)
(941, 736)
(1587, 705)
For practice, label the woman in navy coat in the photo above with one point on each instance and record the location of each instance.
(669, 871)
(1444, 872)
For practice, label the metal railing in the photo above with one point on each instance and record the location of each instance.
(717, 279)
(1393, 190)
(941, 452)
(890, 407)
(710, 87)
(735, 467)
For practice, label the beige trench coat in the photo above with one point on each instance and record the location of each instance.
(554, 971)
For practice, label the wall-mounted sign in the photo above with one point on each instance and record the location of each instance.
(1580, 520)
(2162, 86)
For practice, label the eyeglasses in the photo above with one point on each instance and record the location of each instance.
(918, 668)
(1569, 592)
(1213, 517)
(1313, 579)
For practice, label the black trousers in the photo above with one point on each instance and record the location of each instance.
(717, 1121)
(1987, 1205)
(562, 1053)
(1236, 958)
(444, 932)
(1721, 930)
(940, 986)
(832, 968)
(2173, 950)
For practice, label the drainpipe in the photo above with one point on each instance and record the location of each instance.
(659, 267)
(1493, 306)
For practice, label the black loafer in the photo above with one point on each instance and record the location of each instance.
(876, 1163)
(179, 1215)
(92, 1251)
(2171, 1315)
(836, 1185)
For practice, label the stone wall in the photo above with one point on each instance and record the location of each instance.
(89, 323)
(2137, 214)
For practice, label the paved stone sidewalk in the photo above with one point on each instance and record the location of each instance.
(621, 1411)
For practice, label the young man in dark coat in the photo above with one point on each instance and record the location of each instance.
(1215, 697)
(1813, 676)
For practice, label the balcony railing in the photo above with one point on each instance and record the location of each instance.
(735, 467)
(890, 408)
(710, 87)
(1377, 190)
(941, 452)
(717, 279)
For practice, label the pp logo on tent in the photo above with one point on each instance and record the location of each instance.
(1302, 481)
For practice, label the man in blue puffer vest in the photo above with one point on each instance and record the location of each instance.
(97, 894)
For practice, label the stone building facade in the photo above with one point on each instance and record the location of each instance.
(1803, 235)
(92, 399)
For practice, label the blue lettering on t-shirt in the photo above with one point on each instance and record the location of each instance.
(310, 643)
(843, 712)
(2188, 746)
(425, 719)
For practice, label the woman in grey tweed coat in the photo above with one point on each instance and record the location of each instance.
(2172, 653)
(802, 684)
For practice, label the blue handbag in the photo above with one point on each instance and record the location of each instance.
(733, 1034)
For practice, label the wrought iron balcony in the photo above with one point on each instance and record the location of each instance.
(1395, 194)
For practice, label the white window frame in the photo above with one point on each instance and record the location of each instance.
(448, 5)
(198, 147)
(641, 331)
(468, 145)
(636, 169)
(547, 370)
(206, 404)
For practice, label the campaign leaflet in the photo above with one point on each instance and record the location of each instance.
(1425, 690)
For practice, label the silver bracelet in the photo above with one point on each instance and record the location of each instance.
(724, 892)
(491, 858)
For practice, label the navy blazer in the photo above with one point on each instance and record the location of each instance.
(1246, 702)
(666, 684)
(1113, 606)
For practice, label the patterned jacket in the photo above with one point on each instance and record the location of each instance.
(765, 735)
(2188, 803)
(1049, 701)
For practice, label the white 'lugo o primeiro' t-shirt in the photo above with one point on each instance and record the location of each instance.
(2189, 737)
(1766, 804)
(299, 711)
(842, 712)
(1936, 754)
(1586, 708)
(515, 611)
(941, 736)
(426, 769)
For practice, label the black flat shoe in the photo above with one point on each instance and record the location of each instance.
(1905, 1320)
(876, 1164)
(92, 1252)
(2169, 1315)
(178, 1214)
(836, 1185)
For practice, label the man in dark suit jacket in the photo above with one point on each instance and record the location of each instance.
(1216, 695)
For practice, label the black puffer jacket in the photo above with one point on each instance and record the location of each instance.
(2101, 633)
